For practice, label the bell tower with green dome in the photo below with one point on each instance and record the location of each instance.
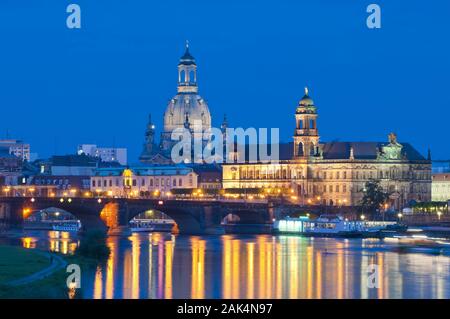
(306, 136)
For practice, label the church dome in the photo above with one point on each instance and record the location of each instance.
(306, 100)
(186, 107)
(187, 58)
(306, 104)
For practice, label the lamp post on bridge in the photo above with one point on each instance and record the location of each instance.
(6, 190)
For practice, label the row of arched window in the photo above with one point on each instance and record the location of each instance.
(302, 124)
(364, 175)
(163, 182)
(284, 173)
(187, 77)
(335, 188)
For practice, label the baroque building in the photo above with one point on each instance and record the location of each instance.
(142, 181)
(187, 109)
(335, 173)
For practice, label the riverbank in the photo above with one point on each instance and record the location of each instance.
(34, 274)
(26, 273)
(17, 262)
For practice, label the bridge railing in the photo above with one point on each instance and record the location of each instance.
(192, 199)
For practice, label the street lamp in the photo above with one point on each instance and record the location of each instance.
(363, 217)
(439, 213)
(399, 215)
(6, 190)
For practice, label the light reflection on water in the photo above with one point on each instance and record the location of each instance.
(56, 241)
(158, 265)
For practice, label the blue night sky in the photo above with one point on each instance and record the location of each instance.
(62, 87)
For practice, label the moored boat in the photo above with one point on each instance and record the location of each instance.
(151, 225)
(333, 226)
(67, 226)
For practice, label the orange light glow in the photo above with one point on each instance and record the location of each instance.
(26, 213)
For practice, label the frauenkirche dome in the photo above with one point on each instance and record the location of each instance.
(187, 108)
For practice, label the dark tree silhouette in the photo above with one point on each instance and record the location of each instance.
(374, 197)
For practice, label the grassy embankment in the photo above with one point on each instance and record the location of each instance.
(17, 262)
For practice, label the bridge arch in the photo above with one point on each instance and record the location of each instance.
(187, 221)
(50, 213)
(231, 218)
(85, 210)
(244, 216)
(87, 218)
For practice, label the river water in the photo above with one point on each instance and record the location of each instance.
(159, 265)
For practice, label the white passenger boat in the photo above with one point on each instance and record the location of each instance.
(151, 225)
(331, 226)
(68, 226)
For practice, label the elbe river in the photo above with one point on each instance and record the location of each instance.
(161, 265)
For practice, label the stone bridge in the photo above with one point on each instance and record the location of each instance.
(191, 216)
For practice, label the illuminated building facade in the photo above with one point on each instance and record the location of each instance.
(336, 173)
(440, 189)
(209, 176)
(142, 181)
